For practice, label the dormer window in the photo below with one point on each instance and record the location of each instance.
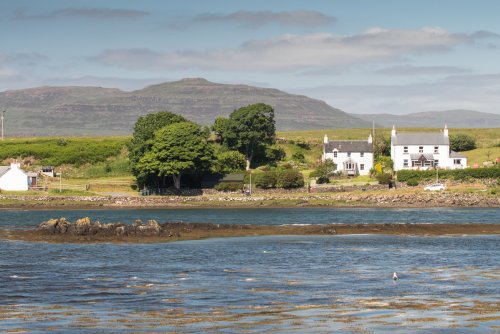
(420, 149)
(348, 154)
(334, 154)
(362, 154)
(436, 149)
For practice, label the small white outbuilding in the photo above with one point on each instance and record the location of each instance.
(13, 178)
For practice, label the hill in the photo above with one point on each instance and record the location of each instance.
(433, 119)
(54, 111)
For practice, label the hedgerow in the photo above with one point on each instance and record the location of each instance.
(456, 174)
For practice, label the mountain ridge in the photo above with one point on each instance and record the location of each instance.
(87, 110)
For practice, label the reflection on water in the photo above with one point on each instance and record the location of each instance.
(259, 284)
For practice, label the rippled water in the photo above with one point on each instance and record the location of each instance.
(255, 284)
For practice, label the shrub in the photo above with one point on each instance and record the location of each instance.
(384, 178)
(324, 171)
(298, 156)
(289, 178)
(229, 186)
(266, 180)
(455, 174)
(412, 182)
(462, 142)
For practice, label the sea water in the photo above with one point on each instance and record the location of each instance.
(282, 284)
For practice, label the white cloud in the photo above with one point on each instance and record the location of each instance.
(298, 52)
(82, 12)
(421, 70)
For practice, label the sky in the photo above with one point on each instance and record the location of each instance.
(362, 56)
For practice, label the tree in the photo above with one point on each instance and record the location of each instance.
(228, 162)
(462, 142)
(248, 129)
(144, 131)
(288, 178)
(178, 149)
(324, 170)
(381, 146)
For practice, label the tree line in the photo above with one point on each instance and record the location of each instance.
(166, 146)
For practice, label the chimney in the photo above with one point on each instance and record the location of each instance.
(325, 140)
(15, 165)
(393, 132)
(445, 132)
(370, 139)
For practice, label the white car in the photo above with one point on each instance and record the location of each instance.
(435, 187)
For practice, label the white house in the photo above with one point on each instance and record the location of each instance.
(424, 150)
(352, 157)
(13, 178)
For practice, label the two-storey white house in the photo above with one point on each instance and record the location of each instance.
(13, 178)
(352, 157)
(424, 150)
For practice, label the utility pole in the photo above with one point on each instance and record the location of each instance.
(3, 113)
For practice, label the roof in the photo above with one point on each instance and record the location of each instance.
(454, 154)
(4, 169)
(420, 138)
(417, 156)
(349, 146)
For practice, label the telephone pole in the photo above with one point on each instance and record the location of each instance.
(3, 113)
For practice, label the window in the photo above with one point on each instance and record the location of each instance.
(405, 150)
(427, 163)
(362, 166)
(349, 166)
(436, 163)
(405, 163)
(457, 161)
(420, 149)
(334, 154)
(362, 154)
(436, 149)
(348, 154)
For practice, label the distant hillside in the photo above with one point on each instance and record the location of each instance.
(52, 111)
(436, 119)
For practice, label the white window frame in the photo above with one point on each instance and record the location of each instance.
(335, 154)
(405, 163)
(436, 149)
(362, 167)
(420, 149)
(405, 149)
(457, 161)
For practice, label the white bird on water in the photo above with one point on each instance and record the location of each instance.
(395, 277)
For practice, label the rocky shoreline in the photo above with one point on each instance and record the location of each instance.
(85, 231)
(361, 199)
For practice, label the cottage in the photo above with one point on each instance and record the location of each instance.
(424, 150)
(13, 178)
(352, 157)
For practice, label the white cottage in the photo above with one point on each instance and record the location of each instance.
(352, 157)
(424, 150)
(13, 178)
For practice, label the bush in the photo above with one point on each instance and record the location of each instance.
(298, 156)
(289, 178)
(462, 142)
(412, 183)
(228, 162)
(384, 178)
(229, 186)
(266, 180)
(324, 171)
(455, 174)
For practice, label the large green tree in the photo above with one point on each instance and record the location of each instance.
(178, 149)
(248, 130)
(462, 142)
(142, 140)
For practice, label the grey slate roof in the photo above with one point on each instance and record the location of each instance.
(420, 138)
(416, 156)
(454, 154)
(349, 146)
(3, 170)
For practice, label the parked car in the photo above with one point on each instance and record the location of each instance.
(435, 187)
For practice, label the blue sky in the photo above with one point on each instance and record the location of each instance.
(360, 56)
